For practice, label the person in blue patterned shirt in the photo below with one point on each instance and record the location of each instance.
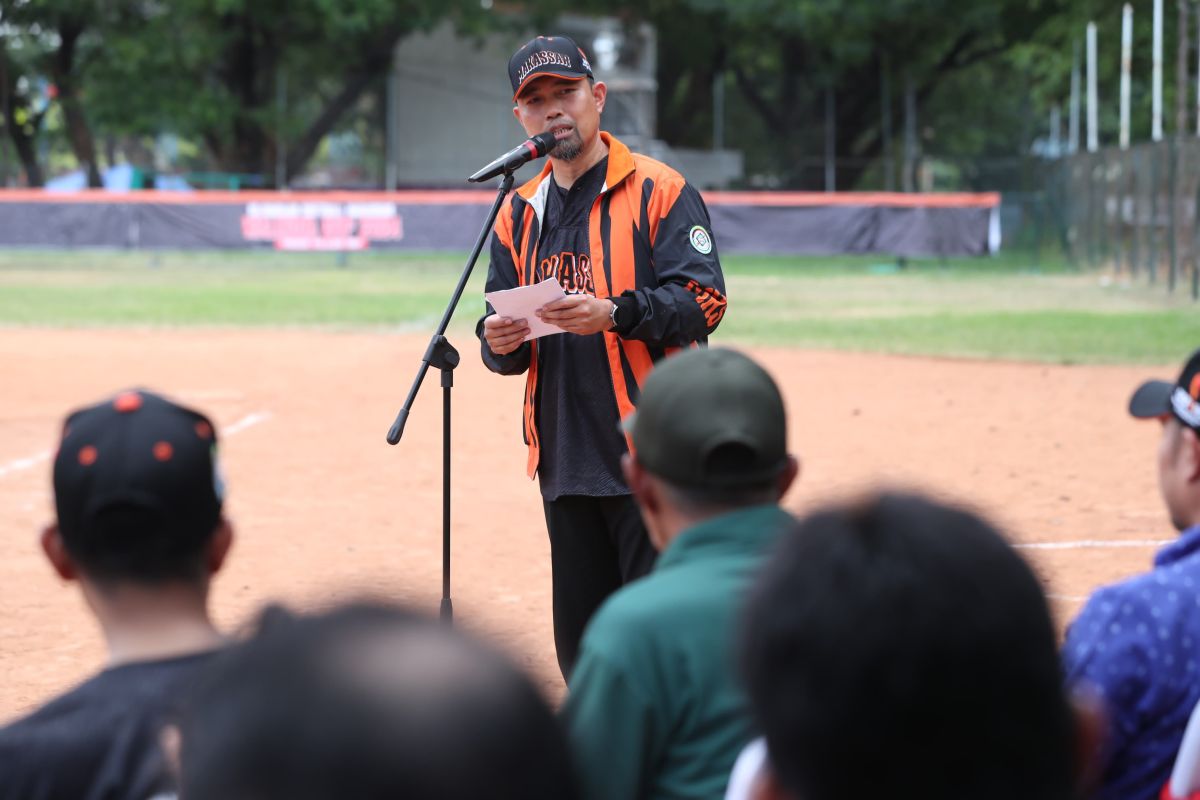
(1137, 643)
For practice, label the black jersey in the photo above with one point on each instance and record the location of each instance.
(99, 741)
(582, 443)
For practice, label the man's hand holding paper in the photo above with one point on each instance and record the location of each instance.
(530, 312)
(578, 313)
(517, 309)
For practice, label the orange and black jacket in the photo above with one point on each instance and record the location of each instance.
(652, 254)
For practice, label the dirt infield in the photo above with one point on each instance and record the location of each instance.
(326, 510)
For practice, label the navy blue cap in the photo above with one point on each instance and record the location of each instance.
(547, 55)
(1180, 399)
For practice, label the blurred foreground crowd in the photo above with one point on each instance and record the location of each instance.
(891, 646)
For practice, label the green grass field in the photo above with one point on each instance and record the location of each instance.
(988, 308)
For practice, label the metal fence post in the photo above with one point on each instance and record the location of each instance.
(1120, 225)
(1173, 211)
(1063, 209)
(1195, 249)
(1107, 256)
(1135, 209)
(1152, 228)
(1093, 220)
(1196, 244)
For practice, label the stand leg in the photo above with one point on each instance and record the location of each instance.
(442, 355)
(447, 606)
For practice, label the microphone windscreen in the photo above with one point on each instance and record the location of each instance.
(544, 142)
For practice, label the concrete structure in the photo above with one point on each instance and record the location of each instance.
(452, 102)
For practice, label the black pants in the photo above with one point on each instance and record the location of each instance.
(597, 544)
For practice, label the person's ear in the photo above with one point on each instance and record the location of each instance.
(1091, 734)
(600, 94)
(56, 553)
(639, 483)
(1191, 446)
(789, 475)
(218, 546)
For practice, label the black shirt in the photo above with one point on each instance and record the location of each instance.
(99, 741)
(577, 414)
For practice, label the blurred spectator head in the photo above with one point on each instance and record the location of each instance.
(1178, 406)
(709, 436)
(898, 647)
(369, 702)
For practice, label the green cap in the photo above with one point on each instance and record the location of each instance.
(710, 418)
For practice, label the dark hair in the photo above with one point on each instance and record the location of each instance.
(717, 499)
(369, 702)
(130, 544)
(897, 647)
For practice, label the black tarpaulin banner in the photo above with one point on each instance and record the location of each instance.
(910, 225)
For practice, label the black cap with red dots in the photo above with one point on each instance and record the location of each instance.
(136, 461)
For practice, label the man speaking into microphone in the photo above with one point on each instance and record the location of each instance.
(631, 244)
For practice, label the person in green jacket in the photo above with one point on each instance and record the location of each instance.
(654, 708)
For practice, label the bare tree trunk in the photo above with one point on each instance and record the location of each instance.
(300, 151)
(24, 143)
(81, 138)
(247, 71)
(63, 69)
(20, 123)
(373, 67)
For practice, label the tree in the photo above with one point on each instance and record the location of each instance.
(48, 39)
(21, 122)
(780, 57)
(259, 83)
(249, 77)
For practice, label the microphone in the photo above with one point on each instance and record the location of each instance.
(526, 151)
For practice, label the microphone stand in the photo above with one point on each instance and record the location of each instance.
(441, 354)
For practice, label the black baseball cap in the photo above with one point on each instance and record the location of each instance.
(710, 418)
(137, 461)
(547, 55)
(1180, 399)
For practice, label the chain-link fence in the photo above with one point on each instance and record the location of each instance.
(1133, 210)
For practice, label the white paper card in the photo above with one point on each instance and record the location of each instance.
(521, 302)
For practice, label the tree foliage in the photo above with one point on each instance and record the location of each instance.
(250, 79)
(48, 43)
(258, 84)
(984, 74)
